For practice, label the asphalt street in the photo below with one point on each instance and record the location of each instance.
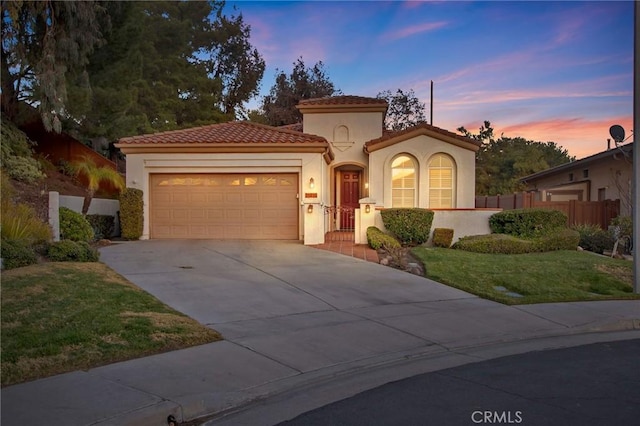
(597, 384)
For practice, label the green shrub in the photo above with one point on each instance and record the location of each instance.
(527, 223)
(131, 214)
(593, 238)
(495, 243)
(564, 239)
(74, 226)
(102, 224)
(72, 251)
(378, 239)
(409, 226)
(16, 154)
(442, 237)
(21, 222)
(16, 254)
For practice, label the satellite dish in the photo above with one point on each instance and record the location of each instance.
(617, 133)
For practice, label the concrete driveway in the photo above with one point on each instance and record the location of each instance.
(220, 282)
(307, 308)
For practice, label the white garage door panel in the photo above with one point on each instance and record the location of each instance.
(233, 206)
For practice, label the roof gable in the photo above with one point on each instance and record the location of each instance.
(423, 129)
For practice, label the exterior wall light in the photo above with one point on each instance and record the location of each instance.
(367, 209)
(310, 208)
(312, 183)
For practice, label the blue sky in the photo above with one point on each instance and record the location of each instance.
(547, 71)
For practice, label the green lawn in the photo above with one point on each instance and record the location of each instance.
(539, 277)
(60, 317)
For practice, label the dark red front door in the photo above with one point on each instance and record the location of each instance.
(349, 199)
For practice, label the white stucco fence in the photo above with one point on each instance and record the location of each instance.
(98, 206)
(464, 222)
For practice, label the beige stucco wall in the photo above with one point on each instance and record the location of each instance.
(306, 165)
(422, 148)
(362, 127)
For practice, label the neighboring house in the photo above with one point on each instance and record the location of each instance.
(604, 176)
(242, 180)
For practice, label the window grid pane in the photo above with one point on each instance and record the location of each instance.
(403, 182)
(440, 182)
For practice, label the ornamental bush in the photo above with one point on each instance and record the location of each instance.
(72, 251)
(378, 239)
(527, 223)
(593, 238)
(409, 226)
(131, 214)
(102, 224)
(442, 237)
(16, 254)
(74, 226)
(565, 239)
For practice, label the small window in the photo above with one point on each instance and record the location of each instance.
(602, 194)
(570, 177)
(585, 173)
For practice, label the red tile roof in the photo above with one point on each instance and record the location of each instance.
(343, 100)
(390, 137)
(296, 127)
(235, 132)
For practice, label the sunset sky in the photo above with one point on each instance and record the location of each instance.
(546, 71)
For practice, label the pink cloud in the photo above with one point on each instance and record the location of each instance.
(581, 137)
(414, 29)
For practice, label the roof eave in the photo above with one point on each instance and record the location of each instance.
(470, 145)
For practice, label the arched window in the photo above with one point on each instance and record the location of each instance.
(441, 182)
(341, 134)
(403, 182)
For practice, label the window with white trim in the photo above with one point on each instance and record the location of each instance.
(441, 182)
(403, 182)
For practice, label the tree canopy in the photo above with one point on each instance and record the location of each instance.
(43, 42)
(405, 109)
(147, 66)
(279, 106)
(500, 163)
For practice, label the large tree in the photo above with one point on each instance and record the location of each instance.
(500, 163)
(42, 43)
(405, 109)
(279, 106)
(167, 65)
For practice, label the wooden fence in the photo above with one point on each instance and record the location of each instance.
(578, 212)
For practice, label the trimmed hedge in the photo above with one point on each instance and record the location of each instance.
(442, 237)
(131, 214)
(565, 239)
(74, 226)
(102, 224)
(72, 251)
(409, 226)
(378, 239)
(527, 223)
(16, 254)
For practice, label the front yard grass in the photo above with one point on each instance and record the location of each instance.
(558, 276)
(61, 317)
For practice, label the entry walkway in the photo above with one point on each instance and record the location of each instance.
(343, 242)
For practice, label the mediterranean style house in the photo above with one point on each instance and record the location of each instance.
(606, 175)
(334, 171)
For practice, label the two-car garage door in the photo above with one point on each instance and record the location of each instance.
(224, 206)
